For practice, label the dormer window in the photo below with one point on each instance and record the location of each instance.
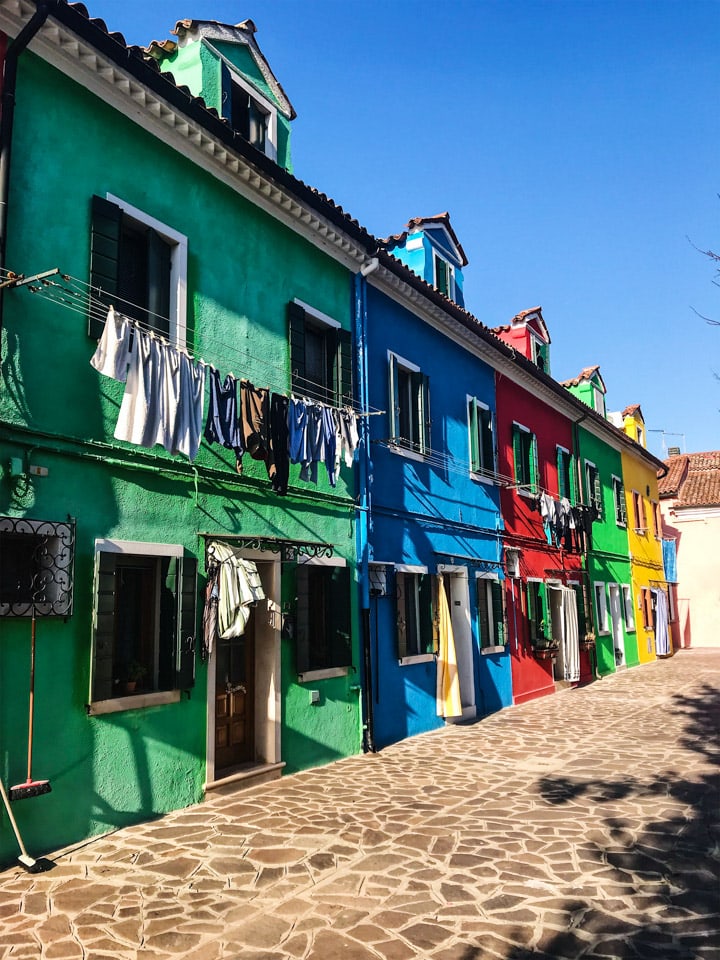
(253, 117)
(540, 355)
(444, 277)
(640, 436)
(598, 400)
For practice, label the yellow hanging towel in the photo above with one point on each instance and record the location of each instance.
(448, 681)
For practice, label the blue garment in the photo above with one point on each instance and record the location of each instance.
(297, 430)
(669, 549)
(222, 424)
(329, 444)
(315, 452)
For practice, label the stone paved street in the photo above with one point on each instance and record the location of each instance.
(543, 831)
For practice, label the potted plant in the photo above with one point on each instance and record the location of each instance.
(544, 647)
(588, 641)
(136, 672)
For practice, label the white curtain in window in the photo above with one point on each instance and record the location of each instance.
(571, 637)
(662, 637)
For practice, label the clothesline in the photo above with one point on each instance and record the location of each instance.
(83, 302)
(163, 404)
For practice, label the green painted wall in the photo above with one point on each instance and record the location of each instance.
(58, 412)
(609, 559)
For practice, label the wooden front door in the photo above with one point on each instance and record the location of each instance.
(235, 699)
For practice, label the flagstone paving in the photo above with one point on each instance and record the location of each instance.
(546, 831)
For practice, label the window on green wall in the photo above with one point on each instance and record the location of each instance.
(144, 620)
(138, 265)
(491, 611)
(628, 607)
(482, 438)
(320, 356)
(601, 609)
(323, 617)
(619, 498)
(593, 489)
(566, 474)
(525, 458)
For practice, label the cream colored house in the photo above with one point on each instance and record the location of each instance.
(690, 508)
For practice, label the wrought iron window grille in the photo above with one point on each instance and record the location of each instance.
(36, 567)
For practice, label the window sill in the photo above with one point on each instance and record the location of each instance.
(488, 651)
(482, 478)
(134, 702)
(329, 673)
(417, 658)
(406, 452)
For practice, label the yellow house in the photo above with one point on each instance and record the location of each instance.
(645, 541)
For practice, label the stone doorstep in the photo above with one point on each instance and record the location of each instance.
(242, 779)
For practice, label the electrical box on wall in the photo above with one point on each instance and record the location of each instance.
(378, 580)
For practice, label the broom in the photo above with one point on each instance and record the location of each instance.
(31, 865)
(31, 788)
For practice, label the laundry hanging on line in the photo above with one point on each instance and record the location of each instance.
(163, 404)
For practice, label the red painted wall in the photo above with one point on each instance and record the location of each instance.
(524, 529)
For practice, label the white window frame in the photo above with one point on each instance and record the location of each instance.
(317, 316)
(598, 403)
(267, 107)
(601, 606)
(536, 344)
(450, 273)
(178, 244)
(396, 442)
(478, 474)
(132, 701)
(618, 493)
(590, 494)
(628, 607)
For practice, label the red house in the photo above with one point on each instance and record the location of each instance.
(544, 524)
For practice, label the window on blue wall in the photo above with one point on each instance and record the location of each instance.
(482, 438)
(566, 474)
(413, 593)
(444, 276)
(525, 457)
(491, 612)
(409, 405)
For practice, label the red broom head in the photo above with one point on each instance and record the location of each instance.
(31, 788)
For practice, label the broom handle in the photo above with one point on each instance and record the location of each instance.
(32, 699)
(11, 818)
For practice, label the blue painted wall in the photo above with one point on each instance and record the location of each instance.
(424, 511)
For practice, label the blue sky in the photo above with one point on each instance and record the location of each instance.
(576, 146)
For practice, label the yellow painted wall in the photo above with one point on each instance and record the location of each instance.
(645, 547)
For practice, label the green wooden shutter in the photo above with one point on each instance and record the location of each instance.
(572, 496)
(344, 387)
(532, 611)
(562, 476)
(483, 611)
(517, 454)
(474, 435)
(393, 398)
(425, 414)
(105, 221)
(533, 462)
(487, 441)
(103, 636)
(400, 586)
(296, 336)
(187, 625)
(498, 609)
(597, 492)
(425, 625)
(158, 299)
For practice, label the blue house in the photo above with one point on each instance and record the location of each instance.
(437, 635)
